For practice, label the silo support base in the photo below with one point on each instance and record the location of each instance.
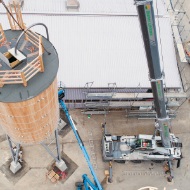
(61, 165)
(16, 154)
(56, 152)
(15, 167)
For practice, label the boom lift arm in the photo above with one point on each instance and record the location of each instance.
(86, 180)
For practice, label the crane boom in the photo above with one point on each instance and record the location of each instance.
(141, 147)
(148, 27)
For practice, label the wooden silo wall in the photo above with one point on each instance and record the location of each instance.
(33, 120)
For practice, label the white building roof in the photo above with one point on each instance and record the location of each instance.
(104, 49)
(87, 6)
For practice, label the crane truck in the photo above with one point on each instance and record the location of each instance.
(165, 146)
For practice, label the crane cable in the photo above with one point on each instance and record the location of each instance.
(19, 24)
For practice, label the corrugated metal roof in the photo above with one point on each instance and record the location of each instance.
(104, 49)
(90, 6)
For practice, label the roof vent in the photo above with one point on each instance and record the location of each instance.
(72, 5)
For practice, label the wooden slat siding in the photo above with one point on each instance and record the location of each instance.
(21, 120)
(38, 106)
(33, 128)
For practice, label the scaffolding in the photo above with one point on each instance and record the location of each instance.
(97, 103)
(180, 19)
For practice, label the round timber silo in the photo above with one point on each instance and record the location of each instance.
(29, 113)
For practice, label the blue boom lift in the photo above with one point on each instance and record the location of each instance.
(87, 184)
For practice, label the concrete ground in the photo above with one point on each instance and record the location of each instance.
(125, 176)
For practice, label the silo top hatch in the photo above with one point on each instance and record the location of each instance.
(31, 70)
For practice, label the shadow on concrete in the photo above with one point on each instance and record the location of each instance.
(3, 138)
(67, 128)
(14, 178)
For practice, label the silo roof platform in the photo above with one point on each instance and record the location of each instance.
(36, 80)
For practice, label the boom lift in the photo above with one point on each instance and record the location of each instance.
(88, 185)
(165, 147)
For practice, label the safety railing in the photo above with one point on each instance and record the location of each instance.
(11, 77)
(30, 70)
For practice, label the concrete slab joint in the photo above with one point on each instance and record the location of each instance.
(61, 165)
